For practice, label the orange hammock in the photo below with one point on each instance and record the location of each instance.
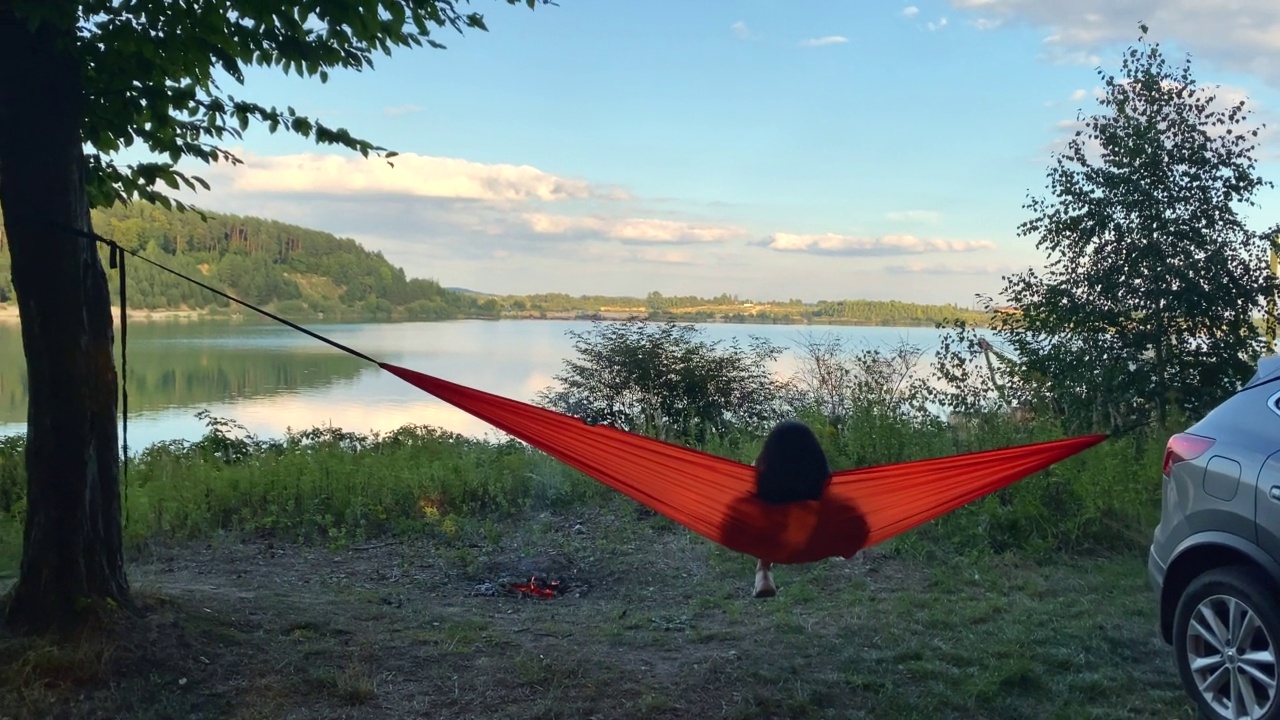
(714, 496)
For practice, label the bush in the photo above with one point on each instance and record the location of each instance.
(666, 380)
(13, 478)
(293, 308)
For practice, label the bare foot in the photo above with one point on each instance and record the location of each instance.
(764, 580)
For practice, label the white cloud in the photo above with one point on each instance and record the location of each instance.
(515, 228)
(948, 269)
(401, 110)
(987, 24)
(1240, 35)
(490, 246)
(655, 256)
(910, 11)
(1075, 97)
(914, 216)
(1078, 57)
(740, 30)
(413, 175)
(824, 41)
(833, 244)
(633, 230)
(932, 26)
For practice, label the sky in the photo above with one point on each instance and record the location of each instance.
(770, 149)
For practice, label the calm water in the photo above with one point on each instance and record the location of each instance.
(271, 378)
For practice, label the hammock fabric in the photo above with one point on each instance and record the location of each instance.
(714, 496)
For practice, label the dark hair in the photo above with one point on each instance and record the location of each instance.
(791, 466)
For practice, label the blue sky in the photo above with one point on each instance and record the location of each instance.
(765, 148)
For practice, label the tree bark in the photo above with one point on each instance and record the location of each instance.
(72, 559)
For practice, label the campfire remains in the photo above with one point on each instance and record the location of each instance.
(542, 578)
(535, 586)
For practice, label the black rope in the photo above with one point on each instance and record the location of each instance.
(266, 313)
(1130, 428)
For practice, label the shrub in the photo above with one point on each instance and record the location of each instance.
(667, 380)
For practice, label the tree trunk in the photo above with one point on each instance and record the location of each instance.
(72, 558)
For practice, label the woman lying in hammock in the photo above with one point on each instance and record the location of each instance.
(792, 469)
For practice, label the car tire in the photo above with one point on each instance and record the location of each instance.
(1232, 676)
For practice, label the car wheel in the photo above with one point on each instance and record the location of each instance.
(1225, 635)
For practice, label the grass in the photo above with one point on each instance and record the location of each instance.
(330, 575)
(326, 485)
(661, 625)
(10, 548)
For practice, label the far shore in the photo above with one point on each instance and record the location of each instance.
(9, 314)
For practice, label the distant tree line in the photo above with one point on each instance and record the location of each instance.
(731, 308)
(301, 272)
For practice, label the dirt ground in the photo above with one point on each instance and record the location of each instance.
(652, 623)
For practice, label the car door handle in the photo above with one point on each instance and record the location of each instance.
(1275, 493)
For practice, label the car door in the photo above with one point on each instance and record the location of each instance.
(1268, 510)
(1268, 479)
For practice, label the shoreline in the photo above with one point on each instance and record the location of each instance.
(9, 316)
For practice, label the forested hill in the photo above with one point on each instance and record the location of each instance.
(294, 270)
(310, 274)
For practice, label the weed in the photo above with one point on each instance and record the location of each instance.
(354, 684)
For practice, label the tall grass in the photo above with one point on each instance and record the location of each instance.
(330, 485)
(13, 491)
(333, 486)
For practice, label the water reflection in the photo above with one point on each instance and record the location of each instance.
(208, 365)
(270, 378)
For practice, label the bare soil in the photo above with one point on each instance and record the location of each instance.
(653, 623)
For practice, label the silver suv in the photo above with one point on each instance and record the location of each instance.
(1215, 556)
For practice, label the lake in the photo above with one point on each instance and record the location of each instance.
(271, 378)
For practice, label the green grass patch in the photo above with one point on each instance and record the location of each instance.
(336, 487)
